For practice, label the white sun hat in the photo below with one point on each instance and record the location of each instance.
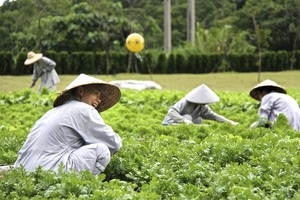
(32, 57)
(202, 95)
(254, 92)
(110, 94)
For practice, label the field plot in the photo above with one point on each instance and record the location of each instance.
(215, 161)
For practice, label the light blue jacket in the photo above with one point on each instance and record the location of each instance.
(45, 69)
(62, 131)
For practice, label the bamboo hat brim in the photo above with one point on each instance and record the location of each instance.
(254, 92)
(32, 57)
(202, 95)
(110, 94)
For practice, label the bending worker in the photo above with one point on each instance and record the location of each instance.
(43, 68)
(193, 108)
(275, 101)
(73, 133)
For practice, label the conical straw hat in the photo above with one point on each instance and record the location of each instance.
(254, 93)
(110, 94)
(202, 95)
(32, 57)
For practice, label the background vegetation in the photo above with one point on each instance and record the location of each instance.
(223, 27)
(76, 25)
(152, 63)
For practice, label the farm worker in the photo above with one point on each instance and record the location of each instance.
(73, 133)
(43, 68)
(274, 101)
(192, 109)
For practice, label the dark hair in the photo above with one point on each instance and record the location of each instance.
(266, 89)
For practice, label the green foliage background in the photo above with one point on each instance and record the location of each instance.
(88, 25)
(229, 35)
(210, 161)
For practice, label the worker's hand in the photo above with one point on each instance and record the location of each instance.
(234, 123)
(254, 124)
(32, 84)
(261, 122)
(186, 121)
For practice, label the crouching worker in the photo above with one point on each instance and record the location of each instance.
(193, 108)
(274, 101)
(73, 133)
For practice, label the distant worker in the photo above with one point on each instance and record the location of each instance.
(192, 109)
(275, 101)
(43, 68)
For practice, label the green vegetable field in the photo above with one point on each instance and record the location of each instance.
(209, 161)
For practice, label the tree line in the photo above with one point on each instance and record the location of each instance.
(163, 63)
(222, 26)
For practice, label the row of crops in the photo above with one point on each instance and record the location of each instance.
(215, 161)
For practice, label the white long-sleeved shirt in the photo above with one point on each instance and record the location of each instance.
(45, 69)
(61, 131)
(276, 103)
(183, 107)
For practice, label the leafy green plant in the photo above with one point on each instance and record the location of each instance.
(209, 161)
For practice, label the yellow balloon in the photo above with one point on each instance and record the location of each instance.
(135, 42)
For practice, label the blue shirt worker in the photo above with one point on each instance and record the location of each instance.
(43, 68)
(274, 101)
(73, 132)
(193, 108)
